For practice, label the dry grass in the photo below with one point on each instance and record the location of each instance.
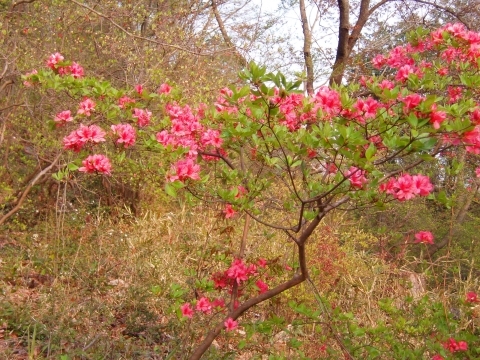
(83, 286)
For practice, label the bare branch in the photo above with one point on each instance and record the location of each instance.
(145, 38)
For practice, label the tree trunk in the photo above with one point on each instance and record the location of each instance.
(307, 45)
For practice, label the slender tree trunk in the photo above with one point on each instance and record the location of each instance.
(307, 45)
(240, 58)
(342, 47)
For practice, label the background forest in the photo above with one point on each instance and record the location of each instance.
(101, 267)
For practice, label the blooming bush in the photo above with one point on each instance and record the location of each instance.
(336, 150)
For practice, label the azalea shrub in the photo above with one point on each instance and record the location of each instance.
(265, 152)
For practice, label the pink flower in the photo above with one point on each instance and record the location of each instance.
(96, 163)
(27, 83)
(378, 61)
(262, 263)
(437, 117)
(92, 133)
(218, 303)
(411, 101)
(437, 357)
(238, 271)
(164, 89)
(187, 310)
(142, 116)
(475, 116)
(262, 287)
(356, 176)
(78, 138)
(230, 324)
(211, 137)
(453, 346)
(328, 100)
(424, 237)
(184, 170)
(403, 72)
(229, 211)
(54, 59)
(124, 101)
(204, 305)
(406, 188)
(76, 70)
(367, 108)
(472, 297)
(126, 134)
(422, 184)
(63, 117)
(139, 89)
(86, 106)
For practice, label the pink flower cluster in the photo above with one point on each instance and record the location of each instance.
(75, 69)
(63, 117)
(455, 346)
(424, 237)
(406, 187)
(203, 305)
(187, 132)
(472, 297)
(96, 163)
(357, 177)
(86, 107)
(126, 134)
(85, 134)
(143, 116)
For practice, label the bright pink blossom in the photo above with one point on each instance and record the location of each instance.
(238, 271)
(96, 163)
(54, 59)
(211, 137)
(142, 116)
(204, 305)
(28, 83)
(328, 101)
(126, 134)
(164, 89)
(411, 101)
(367, 108)
(356, 176)
(404, 72)
(63, 117)
(187, 310)
(378, 61)
(139, 89)
(262, 263)
(262, 287)
(86, 107)
(78, 138)
(424, 237)
(124, 101)
(229, 211)
(454, 346)
(406, 187)
(185, 169)
(92, 133)
(472, 297)
(230, 324)
(437, 117)
(76, 70)
(218, 303)
(437, 357)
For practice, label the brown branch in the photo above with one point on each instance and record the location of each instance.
(145, 38)
(240, 58)
(27, 190)
(342, 46)
(307, 45)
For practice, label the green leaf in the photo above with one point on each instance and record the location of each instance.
(170, 190)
